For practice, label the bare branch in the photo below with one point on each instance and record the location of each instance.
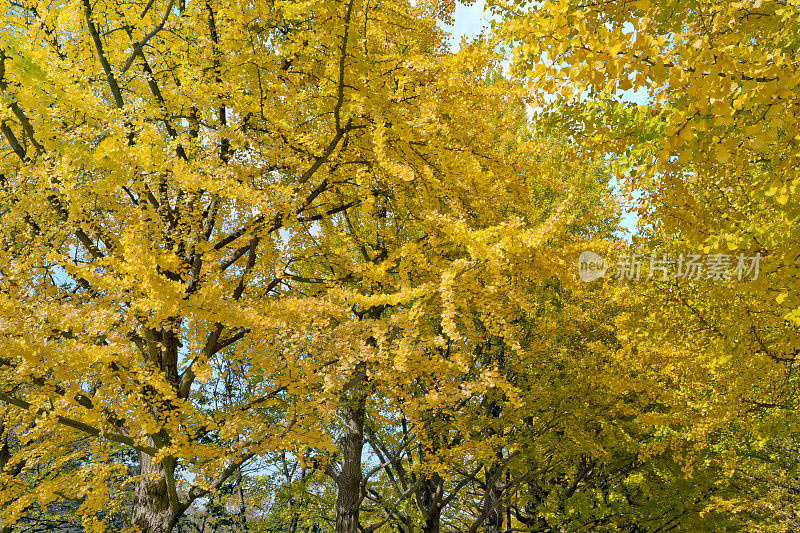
(138, 46)
(390, 512)
(196, 491)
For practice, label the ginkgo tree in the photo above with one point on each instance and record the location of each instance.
(709, 150)
(179, 185)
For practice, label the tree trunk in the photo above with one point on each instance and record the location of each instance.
(431, 524)
(429, 502)
(348, 500)
(494, 499)
(242, 508)
(5, 456)
(152, 512)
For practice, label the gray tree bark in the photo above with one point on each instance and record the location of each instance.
(493, 500)
(348, 482)
(152, 510)
(429, 502)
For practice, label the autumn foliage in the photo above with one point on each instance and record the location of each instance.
(300, 266)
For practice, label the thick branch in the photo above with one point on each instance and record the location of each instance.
(80, 426)
(98, 46)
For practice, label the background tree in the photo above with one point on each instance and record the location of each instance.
(711, 156)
